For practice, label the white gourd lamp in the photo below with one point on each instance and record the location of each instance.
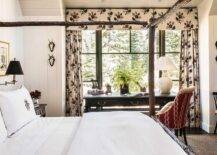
(165, 64)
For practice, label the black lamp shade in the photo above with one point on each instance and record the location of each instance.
(14, 68)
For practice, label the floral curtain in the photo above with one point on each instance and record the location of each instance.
(189, 71)
(74, 92)
(184, 18)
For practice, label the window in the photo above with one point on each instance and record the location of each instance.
(126, 49)
(104, 51)
(88, 58)
(172, 50)
(168, 43)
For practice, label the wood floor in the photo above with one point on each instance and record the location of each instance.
(201, 142)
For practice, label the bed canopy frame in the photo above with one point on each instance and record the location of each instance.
(151, 26)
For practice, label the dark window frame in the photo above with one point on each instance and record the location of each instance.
(99, 54)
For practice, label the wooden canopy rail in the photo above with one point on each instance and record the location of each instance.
(179, 4)
(32, 23)
(67, 24)
(152, 26)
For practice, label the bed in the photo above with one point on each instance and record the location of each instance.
(99, 133)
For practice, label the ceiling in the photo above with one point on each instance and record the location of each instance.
(41, 7)
(123, 3)
(56, 7)
(213, 10)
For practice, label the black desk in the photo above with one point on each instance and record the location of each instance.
(111, 100)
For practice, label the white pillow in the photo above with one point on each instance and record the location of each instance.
(17, 109)
(3, 131)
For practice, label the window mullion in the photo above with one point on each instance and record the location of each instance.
(161, 46)
(99, 58)
(130, 42)
(162, 42)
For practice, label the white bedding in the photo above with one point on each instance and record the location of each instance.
(107, 133)
(44, 136)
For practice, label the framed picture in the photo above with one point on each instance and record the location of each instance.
(4, 57)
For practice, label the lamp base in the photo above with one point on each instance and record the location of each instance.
(165, 85)
(11, 82)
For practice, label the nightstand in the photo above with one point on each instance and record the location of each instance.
(40, 109)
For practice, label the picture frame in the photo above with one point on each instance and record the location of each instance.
(4, 57)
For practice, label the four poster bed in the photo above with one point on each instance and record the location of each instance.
(118, 133)
(108, 133)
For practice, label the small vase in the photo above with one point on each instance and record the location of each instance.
(124, 89)
(142, 89)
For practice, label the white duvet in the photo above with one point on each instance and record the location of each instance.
(104, 133)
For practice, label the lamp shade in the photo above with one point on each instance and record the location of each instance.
(14, 68)
(165, 63)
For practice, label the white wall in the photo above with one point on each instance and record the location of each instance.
(208, 65)
(38, 74)
(10, 11)
(213, 68)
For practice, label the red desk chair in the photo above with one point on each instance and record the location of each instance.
(174, 114)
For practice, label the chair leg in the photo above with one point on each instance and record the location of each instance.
(215, 128)
(180, 132)
(184, 134)
(176, 132)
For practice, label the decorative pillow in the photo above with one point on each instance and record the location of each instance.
(17, 109)
(166, 107)
(3, 131)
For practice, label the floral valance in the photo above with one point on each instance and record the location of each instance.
(183, 19)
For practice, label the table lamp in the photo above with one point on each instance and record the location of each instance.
(14, 68)
(165, 64)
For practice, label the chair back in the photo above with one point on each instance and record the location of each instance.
(181, 106)
(215, 99)
(176, 116)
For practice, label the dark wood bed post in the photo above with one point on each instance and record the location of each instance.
(152, 27)
(151, 71)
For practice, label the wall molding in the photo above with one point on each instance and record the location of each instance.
(207, 127)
